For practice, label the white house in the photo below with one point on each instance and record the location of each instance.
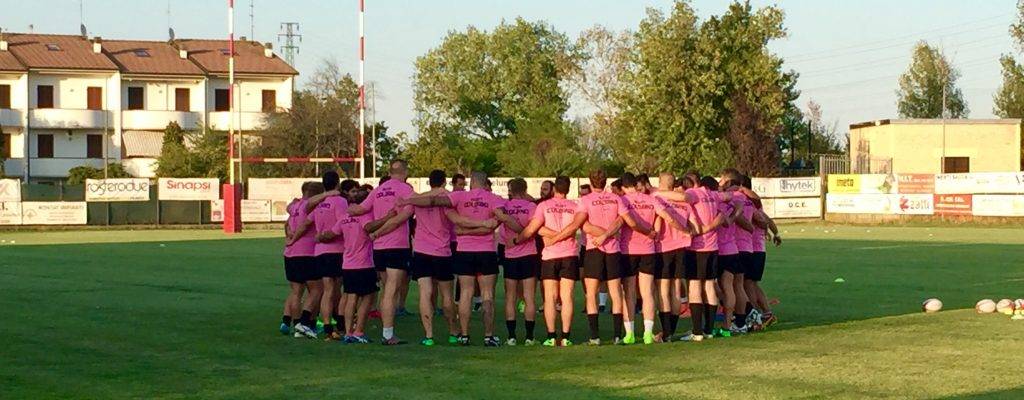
(67, 100)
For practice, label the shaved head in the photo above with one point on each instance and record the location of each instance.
(478, 180)
(399, 169)
(666, 181)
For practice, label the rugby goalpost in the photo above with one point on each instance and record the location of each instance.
(232, 191)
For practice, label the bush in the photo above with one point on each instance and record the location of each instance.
(80, 173)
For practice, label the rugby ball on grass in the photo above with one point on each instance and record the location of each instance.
(985, 306)
(1005, 306)
(931, 305)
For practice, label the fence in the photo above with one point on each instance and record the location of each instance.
(961, 196)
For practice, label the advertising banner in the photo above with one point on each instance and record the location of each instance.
(980, 183)
(53, 213)
(188, 189)
(915, 183)
(121, 189)
(995, 205)
(866, 183)
(252, 211)
(953, 204)
(850, 203)
(787, 187)
(10, 190)
(806, 207)
(912, 204)
(10, 213)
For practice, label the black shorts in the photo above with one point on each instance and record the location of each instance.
(428, 266)
(671, 265)
(328, 265)
(476, 263)
(634, 263)
(520, 268)
(300, 269)
(699, 264)
(600, 265)
(560, 268)
(755, 270)
(731, 263)
(360, 282)
(391, 258)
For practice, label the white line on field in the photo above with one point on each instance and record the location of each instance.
(900, 246)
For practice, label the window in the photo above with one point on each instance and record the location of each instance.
(141, 52)
(181, 99)
(5, 150)
(94, 98)
(135, 98)
(44, 96)
(225, 52)
(953, 165)
(44, 146)
(5, 96)
(269, 101)
(94, 146)
(220, 100)
(52, 47)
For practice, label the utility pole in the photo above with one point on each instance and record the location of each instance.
(252, 20)
(373, 129)
(290, 31)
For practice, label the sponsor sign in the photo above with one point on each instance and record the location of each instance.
(869, 183)
(277, 188)
(915, 183)
(252, 210)
(953, 204)
(126, 189)
(787, 187)
(10, 190)
(53, 213)
(804, 207)
(980, 183)
(912, 204)
(853, 203)
(188, 189)
(994, 205)
(10, 213)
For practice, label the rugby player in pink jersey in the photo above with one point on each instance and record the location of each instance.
(521, 263)
(642, 262)
(670, 249)
(476, 258)
(730, 180)
(391, 246)
(758, 310)
(559, 269)
(358, 270)
(299, 267)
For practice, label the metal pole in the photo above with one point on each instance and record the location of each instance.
(231, 93)
(362, 92)
(373, 131)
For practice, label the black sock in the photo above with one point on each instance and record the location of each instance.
(617, 325)
(665, 324)
(673, 322)
(551, 335)
(710, 311)
(510, 324)
(306, 318)
(592, 321)
(565, 335)
(697, 316)
(287, 320)
(741, 320)
(750, 307)
(328, 328)
(530, 325)
(340, 322)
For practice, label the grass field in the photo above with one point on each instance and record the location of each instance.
(115, 315)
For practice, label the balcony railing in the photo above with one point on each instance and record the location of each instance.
(10, 117)
(245, 121)
(65, 118)
(158, 120)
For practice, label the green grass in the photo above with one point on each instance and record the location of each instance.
(112, 314)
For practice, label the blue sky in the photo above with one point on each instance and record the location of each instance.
(849, 53)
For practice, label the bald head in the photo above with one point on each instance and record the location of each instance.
(478, 180)
(666, 181)
(399, 169)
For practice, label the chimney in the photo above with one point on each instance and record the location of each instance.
(268, 50)
(182, 53)
(97, 45)
(241, 38)
(3, 41)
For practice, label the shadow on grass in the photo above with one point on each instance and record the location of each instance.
(1008, 394)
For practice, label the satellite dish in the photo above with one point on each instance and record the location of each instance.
(85, 33)
(170, 33)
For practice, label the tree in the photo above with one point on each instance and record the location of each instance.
(604, 57)
(387, 148)
(929, 83)
(192, 154)
(1009, 100)
(79, 174)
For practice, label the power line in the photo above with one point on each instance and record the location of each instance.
(290, 49)
(891, 60)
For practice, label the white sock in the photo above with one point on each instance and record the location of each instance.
(389, 333)
(648, 326)
(684, 300)
(477, 300)
(602, 299)
(629, 326)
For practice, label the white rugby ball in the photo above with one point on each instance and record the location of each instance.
(931, 305)
(985, 306)
(1005, 306)
(1018, 304)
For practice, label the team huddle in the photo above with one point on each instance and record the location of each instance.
(691, 246)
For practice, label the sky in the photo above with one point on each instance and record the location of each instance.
(849, 53)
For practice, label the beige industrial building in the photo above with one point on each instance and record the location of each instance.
(935, 146)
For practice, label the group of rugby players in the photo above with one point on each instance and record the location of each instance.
(691, 246)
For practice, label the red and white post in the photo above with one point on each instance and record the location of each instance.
(232, 191)
(362, 92)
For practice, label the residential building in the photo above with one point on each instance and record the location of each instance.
(67, 100)
(935, 146)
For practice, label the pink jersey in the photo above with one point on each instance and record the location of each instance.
(671, 238)
(478, 205)
(705, 210)
(358, 247)
(522, 212)
(744, 238)
(380, 202)
(305, 245)
(557, 214)
(602, 209)
(433, 232)
(323, 217)
(758, 242)
(726, 234)
(644, 209)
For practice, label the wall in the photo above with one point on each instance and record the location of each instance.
(69, 91)
(19, 86)
(159, 95)
(918, 147)
(250, 96)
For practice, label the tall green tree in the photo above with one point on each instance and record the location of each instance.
(187, 154)
(1009, 99)
(928, 83)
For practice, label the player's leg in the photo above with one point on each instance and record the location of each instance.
(629, 295)
(550, 314)
(487, 282)
(710, 295)
(466, 286)
(395, 277)
(530, 310)
(426, 307)
(327, 304)
(569, 274)
(613, 272)
(728, 297)
(695, 272)
(593, 265)
(645, 284)
(511, 293)
(448, 309)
